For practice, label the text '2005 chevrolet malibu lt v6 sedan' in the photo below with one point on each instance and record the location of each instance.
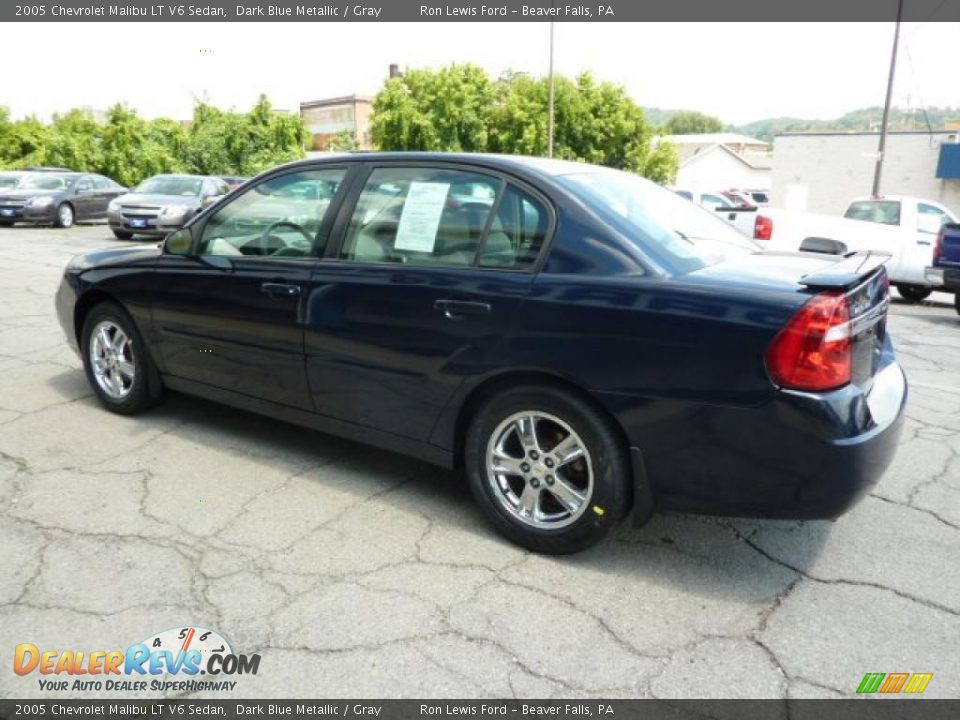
(584, 342)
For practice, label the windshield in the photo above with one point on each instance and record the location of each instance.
(170, 185)
(45, 182)
(9, 181)
(689, 236)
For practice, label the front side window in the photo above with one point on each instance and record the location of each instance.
(421, 216)
(85, 183)
(280, 217)
(930, 218)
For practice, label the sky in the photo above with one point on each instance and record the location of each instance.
(736, 71)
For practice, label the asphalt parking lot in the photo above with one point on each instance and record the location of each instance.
(358, 573)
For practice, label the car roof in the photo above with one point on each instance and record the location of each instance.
(545, 166)
(893, 198)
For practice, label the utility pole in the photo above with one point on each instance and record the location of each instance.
(550, 99)
(886, 106)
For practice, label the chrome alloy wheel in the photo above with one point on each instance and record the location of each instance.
(540, 470)
(112, 360)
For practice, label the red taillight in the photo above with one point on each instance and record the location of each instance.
(938, 247)
(814, 351)
(762, 228)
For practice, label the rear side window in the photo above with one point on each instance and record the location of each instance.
(446, 218)
(517, 231)
(885, 212)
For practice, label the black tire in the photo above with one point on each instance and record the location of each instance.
(65, 216)
(146, 388)
(914, 293)
(956, 302)
(122, 235)
(610, 497)
(7, 223)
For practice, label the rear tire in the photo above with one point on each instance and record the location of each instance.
(116, 361)
(914, 293)
(7, 223)
(956, 302)
(549, 470)
(122, 235)
(65, 216)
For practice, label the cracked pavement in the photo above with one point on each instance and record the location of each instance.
(359, 573)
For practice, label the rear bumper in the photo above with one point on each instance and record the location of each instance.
(800, 456)
(944, 278)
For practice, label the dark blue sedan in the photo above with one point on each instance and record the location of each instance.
(583, 342)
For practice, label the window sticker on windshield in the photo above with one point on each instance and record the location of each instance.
(420, 218)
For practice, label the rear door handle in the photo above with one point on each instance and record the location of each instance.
(280, 289)
(456, 309)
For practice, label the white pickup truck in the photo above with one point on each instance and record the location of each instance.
(905, 227)
(742, 218)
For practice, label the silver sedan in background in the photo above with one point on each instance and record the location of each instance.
(162, 203)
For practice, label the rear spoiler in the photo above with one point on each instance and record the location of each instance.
(844, 274)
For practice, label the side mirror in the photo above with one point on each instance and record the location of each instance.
(209, 200)
(179, 242)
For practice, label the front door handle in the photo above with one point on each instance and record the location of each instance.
(280, 290)
(457, 309)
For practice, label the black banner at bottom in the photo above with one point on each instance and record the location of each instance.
(852, 709)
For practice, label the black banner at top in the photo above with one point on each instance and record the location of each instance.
(853, 11)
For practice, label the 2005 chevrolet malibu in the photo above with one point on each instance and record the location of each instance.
(583, 342)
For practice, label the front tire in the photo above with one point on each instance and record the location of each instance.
(65, 216)
(7, 223)
(956, 302)
(914, 293)
(117, 364)
(549, 470)
(122, 235)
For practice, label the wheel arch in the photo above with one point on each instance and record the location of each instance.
(85, 303)
(512, 378)
(640, 501)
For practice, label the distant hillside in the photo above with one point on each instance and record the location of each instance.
(858, 120)
(659, 116)
(863, 119)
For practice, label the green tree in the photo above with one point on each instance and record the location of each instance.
(458, 108)
(24, 143)
(445, 110)
(75, 142)
(131, 152)
(230, 143)
(344, 140)
(691, 122)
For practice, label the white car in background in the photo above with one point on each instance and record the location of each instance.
(906, 227)
(742, 218)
